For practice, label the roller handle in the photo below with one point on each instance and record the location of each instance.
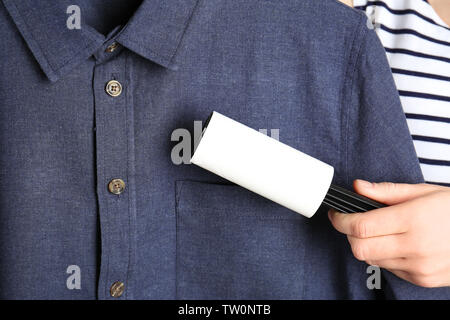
(346, 201)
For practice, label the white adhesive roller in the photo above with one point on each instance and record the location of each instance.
(263, 165)
(272, 169)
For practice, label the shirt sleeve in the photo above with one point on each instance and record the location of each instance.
(379, 146)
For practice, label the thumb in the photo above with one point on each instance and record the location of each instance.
(392, 193)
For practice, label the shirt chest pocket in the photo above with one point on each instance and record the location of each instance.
(234, 244)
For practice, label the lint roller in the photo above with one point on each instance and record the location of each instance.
(272, 169)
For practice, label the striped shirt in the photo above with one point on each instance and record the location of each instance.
(417, 42)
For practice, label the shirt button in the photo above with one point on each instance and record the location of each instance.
(117, 289)
(112, 47)
(116, 186)
(114, 88)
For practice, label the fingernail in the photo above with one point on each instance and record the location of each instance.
(365, 184)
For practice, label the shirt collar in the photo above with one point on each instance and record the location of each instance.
(154, 32)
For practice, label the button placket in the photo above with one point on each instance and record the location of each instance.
(112, 134)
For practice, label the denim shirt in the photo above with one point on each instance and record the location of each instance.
(311, 69)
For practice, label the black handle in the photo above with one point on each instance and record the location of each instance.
(346, 201)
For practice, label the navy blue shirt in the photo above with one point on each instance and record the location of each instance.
(311, 69)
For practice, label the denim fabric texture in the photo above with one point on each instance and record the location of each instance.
(311, 69)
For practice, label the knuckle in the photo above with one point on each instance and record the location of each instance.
(359, 251)
(371, 262)
(359, 228)
(388, 186)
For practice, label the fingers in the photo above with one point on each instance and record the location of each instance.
(417, 271)
(404, 275)
(393, 193)
(391, 264)
(384, 221)
(421, 281)
(378, 248)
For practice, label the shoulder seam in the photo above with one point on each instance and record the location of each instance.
(354, 57)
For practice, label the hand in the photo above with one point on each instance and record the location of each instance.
(411, 238)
